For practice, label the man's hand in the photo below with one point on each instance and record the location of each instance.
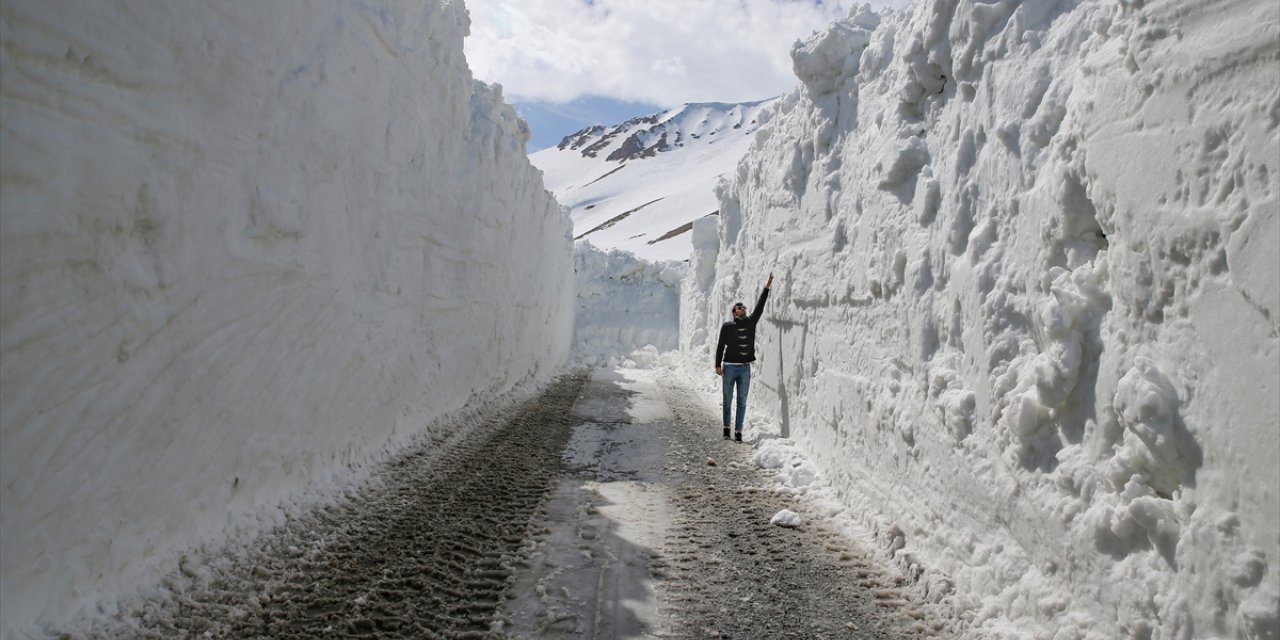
(719, 371)
(770, 282)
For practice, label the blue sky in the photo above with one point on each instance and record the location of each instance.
(568, 64)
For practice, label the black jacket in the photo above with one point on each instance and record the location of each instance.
(738, 336)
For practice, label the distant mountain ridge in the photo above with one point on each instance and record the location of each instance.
(666, 131)
(639, 185)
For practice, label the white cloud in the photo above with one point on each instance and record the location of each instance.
(665, 52)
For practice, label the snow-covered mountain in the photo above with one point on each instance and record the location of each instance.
(640, 185)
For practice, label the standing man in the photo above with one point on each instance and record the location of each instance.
(734, 355)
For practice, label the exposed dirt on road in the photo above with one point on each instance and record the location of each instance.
(425, 551)
(607, 507)
(732, 574)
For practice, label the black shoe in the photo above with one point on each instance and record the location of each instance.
(737, 436)
(726, 433)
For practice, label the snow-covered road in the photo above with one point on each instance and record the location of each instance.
(608, 507)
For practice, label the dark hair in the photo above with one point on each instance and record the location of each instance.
(739, 304)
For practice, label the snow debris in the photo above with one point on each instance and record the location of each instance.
(785, 518)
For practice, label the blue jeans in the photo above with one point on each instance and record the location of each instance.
(739, 374)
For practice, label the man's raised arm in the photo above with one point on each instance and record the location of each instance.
(764, 295)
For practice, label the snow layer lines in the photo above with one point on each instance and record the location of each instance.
(244, 249)
(1027, 304)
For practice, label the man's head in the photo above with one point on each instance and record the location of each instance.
(739, 310)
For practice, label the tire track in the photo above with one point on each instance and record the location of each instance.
(431, 546)
(425, 551)
(731, 574)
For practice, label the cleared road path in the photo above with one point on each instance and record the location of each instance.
(608, 507)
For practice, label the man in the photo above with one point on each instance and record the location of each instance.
(734, 355)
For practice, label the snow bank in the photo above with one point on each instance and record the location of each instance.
(1027, 303)
(242, 250)
(628, 308)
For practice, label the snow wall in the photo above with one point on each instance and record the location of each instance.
(244, 247)
(628, 308)
(1027, 304)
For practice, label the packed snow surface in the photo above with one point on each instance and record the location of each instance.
(1026, 315)
(640, 185)
(243, 249)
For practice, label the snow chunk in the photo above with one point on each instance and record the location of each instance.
(773, 454)
(794, 469)
(903, 162)
(785, 518)
(1156, 443)
(830, 57)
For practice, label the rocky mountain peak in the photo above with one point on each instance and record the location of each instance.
(647, 136)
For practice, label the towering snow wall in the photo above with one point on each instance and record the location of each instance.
(243, 247)
(1028, 301)
(625, 304)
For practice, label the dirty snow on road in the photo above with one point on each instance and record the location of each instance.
(661, 528)
(423, 550)
(607, 507)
